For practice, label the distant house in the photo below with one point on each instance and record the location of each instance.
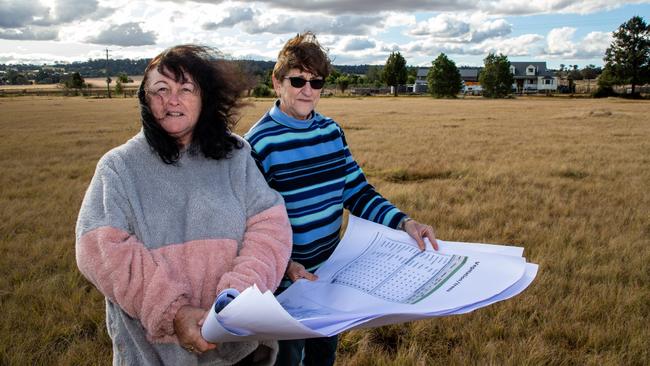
(530, 77)
(533, 77)
(421, 85)
(469, 74)
(469, 77)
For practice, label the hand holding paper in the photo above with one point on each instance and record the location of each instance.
(376, 276)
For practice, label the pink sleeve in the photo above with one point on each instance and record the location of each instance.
(264, 254)
(128, 274)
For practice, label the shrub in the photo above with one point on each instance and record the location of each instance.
(261, 90)
(604, 92)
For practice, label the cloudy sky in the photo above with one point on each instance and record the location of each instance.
(354, 31)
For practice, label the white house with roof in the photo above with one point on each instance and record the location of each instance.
(421, 85)
(533, 77)
(530, 77)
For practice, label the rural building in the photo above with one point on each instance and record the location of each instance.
(530, 77)
(533, 77)
(468, 75)
(421, 85)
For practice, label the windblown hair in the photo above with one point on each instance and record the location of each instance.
(302, 52)
(220, 92)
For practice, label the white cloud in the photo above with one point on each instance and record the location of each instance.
(20, 13)
(444, 25)
(342, 25)
(490, 29)
(127, 34)
(493, 7)
(398, 19)
(525, 45)
(518, 7)
(36, 58)
(375, 55)
(560, 43)
(18, 58)
(428, 50)
(462, 28)
(590, 6)
(235, 16)
(65, 11)
(365, 7)
(32, 20)
(30, 33)
(595, 44)
(8, 58)
(391, 47)
(357, 44)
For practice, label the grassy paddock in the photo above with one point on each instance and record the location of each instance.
(566, 179)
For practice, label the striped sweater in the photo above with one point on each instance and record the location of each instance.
(309, 163)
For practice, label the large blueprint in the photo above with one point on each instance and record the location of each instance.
(376, 276)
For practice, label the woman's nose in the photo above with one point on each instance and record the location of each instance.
(307, 89)
(174, 98)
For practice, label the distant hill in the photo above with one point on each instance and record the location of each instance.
(87, 69)
(96, 68)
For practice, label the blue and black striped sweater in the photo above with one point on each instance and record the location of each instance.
(308, 162)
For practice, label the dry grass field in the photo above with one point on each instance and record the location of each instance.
(568, 179)
(93, 82)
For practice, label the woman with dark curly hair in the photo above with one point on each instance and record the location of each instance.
(179, 213)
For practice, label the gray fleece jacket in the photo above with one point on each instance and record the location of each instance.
(153, 237)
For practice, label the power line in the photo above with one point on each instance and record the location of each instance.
(108, 78)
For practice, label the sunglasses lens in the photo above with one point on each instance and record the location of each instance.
(297, 82)
(317, 83)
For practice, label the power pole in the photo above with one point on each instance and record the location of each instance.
(108, 78)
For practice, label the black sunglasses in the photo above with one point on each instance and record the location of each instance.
(298, 82)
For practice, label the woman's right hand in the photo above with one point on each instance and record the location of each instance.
(296, 271)
(187, 326)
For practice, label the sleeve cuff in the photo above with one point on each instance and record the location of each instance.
(167, 325)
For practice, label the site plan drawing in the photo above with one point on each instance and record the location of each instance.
(398, 272)
(376, 276)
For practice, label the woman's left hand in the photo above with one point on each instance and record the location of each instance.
(187, 326)
(420, 231)
(296, 271)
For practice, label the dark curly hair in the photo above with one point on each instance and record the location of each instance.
(220, 91)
